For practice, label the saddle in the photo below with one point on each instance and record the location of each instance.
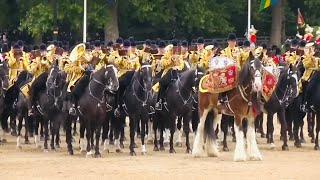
(222, 77)
(269, 81)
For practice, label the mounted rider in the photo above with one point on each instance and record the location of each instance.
(39, 65)
(211, 51)
(232, 52)
(171, 63)
(195, 55)
(75, 70)
(18, 61)
(127, 62)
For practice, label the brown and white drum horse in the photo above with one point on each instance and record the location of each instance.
(242, 104)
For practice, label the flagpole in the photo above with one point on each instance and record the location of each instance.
(84, 21)
(249, 18)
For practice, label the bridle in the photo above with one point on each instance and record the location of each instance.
(106, 87)
(147, 93)
(53, 86)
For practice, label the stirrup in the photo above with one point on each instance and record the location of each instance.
(158, 106)
(152, 110)
(117, 112)
(30, 113)
(303, 108)
(108, 107)
(72, 111)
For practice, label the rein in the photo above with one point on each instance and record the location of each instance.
(146, 92)
(53, 86)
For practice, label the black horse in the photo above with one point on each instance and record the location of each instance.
(313, 99)
(136, 104)
(92, 106)
(50, 103)
(10, 101)
(179, 102)
(22, 114)
(286, 90)
(295, 112)
(4, 82)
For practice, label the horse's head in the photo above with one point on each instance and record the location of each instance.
(251, 72)
(288, 79)
(4, 74)
(110, 78)
(199, 73)
(56, 77)
(145, 73)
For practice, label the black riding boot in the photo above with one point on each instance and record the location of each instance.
(117, 110)
(304, 107)
(222, 98)
(72, 110)
(159, 99)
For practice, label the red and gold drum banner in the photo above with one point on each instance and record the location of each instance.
(220, 80)
(269, 82)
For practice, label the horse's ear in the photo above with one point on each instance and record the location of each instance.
(290, 67)
(261, 56)
(251, 56)
(56, 62)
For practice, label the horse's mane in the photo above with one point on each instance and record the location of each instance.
(244, 72)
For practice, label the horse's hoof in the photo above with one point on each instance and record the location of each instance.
(234, 139)
(297, 144)
(13, 133)
(179, 144)
(38, 146)
(106, 150)
(118, 151)
(121, 145)
(156, 149)
(166, 144)
(312, 140)
(4, 141)
(111, 142)
(132, 153)
(143, 153)
(272, 146)
(57, 145)
(149, 141)
(19, 147)
(53, 150)
(172, 151)
(302, 140)
(70, 152)
(135, 145)
(225, 149)
(89, 155)
(27, 142)
(162, 148)
(263, 135)
(188, 151)
(45, 150)
(97, 155)
(285, 148)
(316, 147)
(291, 138)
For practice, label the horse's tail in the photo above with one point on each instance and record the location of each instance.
(208, 126)
(22, 78)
